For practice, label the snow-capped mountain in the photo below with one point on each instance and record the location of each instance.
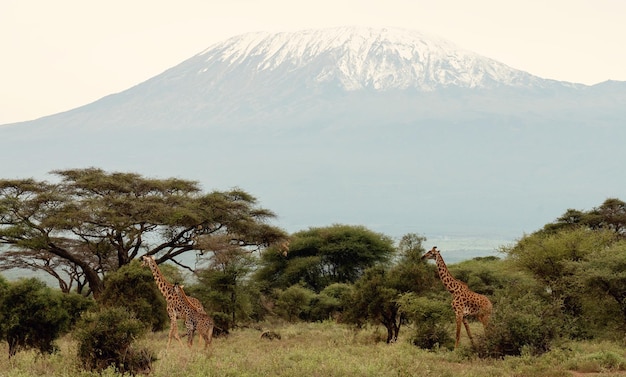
(392, 129)
(263, 78)
(358, 58)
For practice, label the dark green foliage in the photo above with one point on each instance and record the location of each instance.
(105, 338)
(331, 302)
(580, 269)
(482, 275)
(319, 257)
(133, 287)
(224, 286)
(4, 285)
(375, 295)
(32, 316)
(601, 279)
(75, 304)
(294, 303)
(521, 323)
(375, 301)
(430, 318)
(611, 216)
(410, 273)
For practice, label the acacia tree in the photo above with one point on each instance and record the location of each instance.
(376, 294)
(610, 215)
(94, 222)
(224, 284)
(319, 257)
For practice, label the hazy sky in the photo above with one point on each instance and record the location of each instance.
(61, 54)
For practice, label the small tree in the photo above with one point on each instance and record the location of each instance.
(331, 302)
(522, 322)
(430, 317)
(602, 276)
(375, 301)
(33, 316)
(294, 303)
(106, 338)
(225, 285)
(132, 287)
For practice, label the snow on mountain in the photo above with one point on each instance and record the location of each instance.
(359, 58)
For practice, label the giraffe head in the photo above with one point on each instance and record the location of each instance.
(146, 259)
(432, 254)
(284, 248)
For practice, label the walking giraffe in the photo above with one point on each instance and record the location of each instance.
(194, 320)
(174, 305)
(465, 302)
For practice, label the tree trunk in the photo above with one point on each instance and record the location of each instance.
(96, 285)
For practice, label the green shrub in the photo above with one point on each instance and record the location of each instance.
(105, 339)
(323, 307)
(132, 287)
(76, 304)
(526, 324)
(294, 302)
(32, 316)
(430, 318)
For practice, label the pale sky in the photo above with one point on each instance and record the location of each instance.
(62, 54)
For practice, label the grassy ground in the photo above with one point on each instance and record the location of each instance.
(327, 349)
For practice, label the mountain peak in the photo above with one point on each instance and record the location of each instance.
(358, 58)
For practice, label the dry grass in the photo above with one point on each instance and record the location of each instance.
(323, 349)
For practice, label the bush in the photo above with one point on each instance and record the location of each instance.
(32, 316)
(294, 302)
(106, 339)
(430, 318)
(525, 324)
(132, 287)
(323, 307)
(75, 304)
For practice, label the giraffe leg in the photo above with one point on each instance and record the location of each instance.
(208, 336)
(173, 327)
(173, 332)
(190, 331)
(190, 336)
(469, 333)
(484, 319)
(459, 319)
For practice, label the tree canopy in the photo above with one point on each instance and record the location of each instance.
(610, 215)
(319, 257)
(92, 222)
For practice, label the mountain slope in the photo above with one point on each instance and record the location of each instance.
(392, 129)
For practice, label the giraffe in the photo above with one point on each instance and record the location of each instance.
(465, 302)
(194, 320)
(174, 306)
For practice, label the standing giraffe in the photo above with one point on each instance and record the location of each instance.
(174, 305)
(194, 320)
(465, 302)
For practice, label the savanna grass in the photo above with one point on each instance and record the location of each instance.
(324, 349)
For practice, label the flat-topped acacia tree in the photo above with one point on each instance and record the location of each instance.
(92, 222)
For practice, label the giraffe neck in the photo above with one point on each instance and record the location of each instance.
(184, 298)
(162, 283)
(452, 285)
(187, 307)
